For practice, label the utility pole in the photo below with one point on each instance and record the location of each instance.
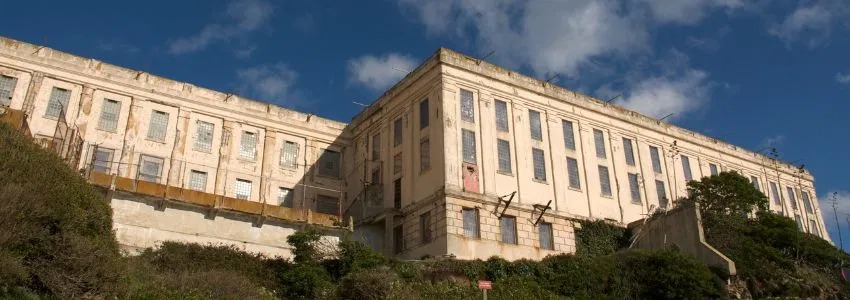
(834, 199)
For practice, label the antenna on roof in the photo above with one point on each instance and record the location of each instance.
(553, 77)
(612, 99)
(358, 103)
(667, 116)
(486, 56)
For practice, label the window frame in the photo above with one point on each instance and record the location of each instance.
(239, 186)
(424, 114)
(467, 106)
(8, 84)
(200, 144)
(511, 232)
(149, 158)
(475, 231)
(154, 126)
(573, 184)
(545, 229)
(62, 103)
(629, 151)
(569, 134)
(425, 231)
(606, 182)
(193, 181)
(288, 198)
(102, 120)
(321, 161)
(503, 156)
(634, 188)
(535, 125)
(655, 158)
(502, 120)
(470, 157)
(251, 152)
(538, 156)
(94, 161)
(289, 159)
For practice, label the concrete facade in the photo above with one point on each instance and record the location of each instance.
(399, 168)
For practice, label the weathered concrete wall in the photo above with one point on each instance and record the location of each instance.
(682, 227)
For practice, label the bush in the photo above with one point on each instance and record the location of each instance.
(600, 238)
(372, 284)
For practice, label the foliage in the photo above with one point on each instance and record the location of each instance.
(304, 245)
(600, 238)
(727, 194)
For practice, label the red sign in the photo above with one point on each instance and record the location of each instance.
(485, 285)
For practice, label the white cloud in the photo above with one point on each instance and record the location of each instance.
(269, 83)
(687, 12)
(244, 16)
(812, 23)
(118, 47)
(842, 78)
(379, 72)
(772, 141)
(679, 94)
(245, 52)
(842, 208)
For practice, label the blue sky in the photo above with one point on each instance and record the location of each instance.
(753, 73)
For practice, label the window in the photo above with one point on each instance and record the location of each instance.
(628, 151)
(425, 227)
(792, 196)
(58, 103)
(102, 160)
(470, 223)
(376, 147)
(150, 168)
(329, 163)
(813, 228)
(158, 126)
(423, 114)
(569, 136)
(468, 139)
(634, 187)
(604, 181)
(398, 239)
(198, 181)
(397, 132)
(424, 155)
(503, 148)
(686, 168)
(508, 225)
(545, 231)
(327, 205)
(289, 154)
(203, 142)
(713, 169)
(248, 145)
(775, 193)
(572, 170)
(376, 176)
(7, 89)
(397, 161)
(501, 116)
(755, 181)
(284, 197)
(109, 115)
(656, 159)
(599, 141)
(397, 193)
(799, 223)
(807, 203)
(467, 111)
(534, 123)
(539, 160)
(242, 189)
(662, 193)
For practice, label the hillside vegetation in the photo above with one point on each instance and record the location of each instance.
(56, 243)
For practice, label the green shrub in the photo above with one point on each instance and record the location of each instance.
(306, 281)
(600, 238)
(303, 244)
(355, 256)
(371, 284)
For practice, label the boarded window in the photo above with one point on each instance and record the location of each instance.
(470, 222)
(289, 154)
(398, 239)
(397, 132)
(545, 232)
(508, 225)
(397, 163)
(7, 89)
(248, 145)
(102, 160)
(656, 159)
(198, 181)
(628, 151)
(204, 138)
(150, 168)
(774, 192)
(58, 103)
(686, 168)
(756, 184)
(539, 161)
(423, 114)
(467, 110)
(397, 193)
(285, 197)
(661, 191)
(501, 116)
(503, 148)
(713, 169)
(329, 161)
(572, 171)
(534, 124)
(424, 155)
(242, 189)
(158, 126)
(109, 115)
(468, 139)
(569, 135)
(807, 202)
(792, 197)
(327, 205)
(376, 147)
(425, 227)
(634, 187)
(604, 181)
(599, 142)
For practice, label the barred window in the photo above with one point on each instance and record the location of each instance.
(534, 123)
(7, 89)
(599, 141)
(198, 181)
(807, 202)
(397, 193)
(204, 138)
(713, 169)
(425, 227)
(501, 116)
(686, 168)
(539, 161)
(248, 145)
(158, 126)
(792, 197)
(397, 163)
(242, 189)
(423, 114)
(285, 196)
(656, 159)
(468, 140)
(150, 168)
(327, 205)
(569, 135)
(470, 222)
(424, 155)
(508, 225)
(289, 154)
(467, 110)
(545, 232)
(109, 115)
(756, 184)
(629, 151)
(661, 191)
(604, 181)
(329, 163)
(572, 170)
(634, 187)
(376, 147)
(397, 132)
(102, 160)
(503, 148)
(58, 103)
(775, 193)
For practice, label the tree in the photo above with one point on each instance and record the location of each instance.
(725, 194)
